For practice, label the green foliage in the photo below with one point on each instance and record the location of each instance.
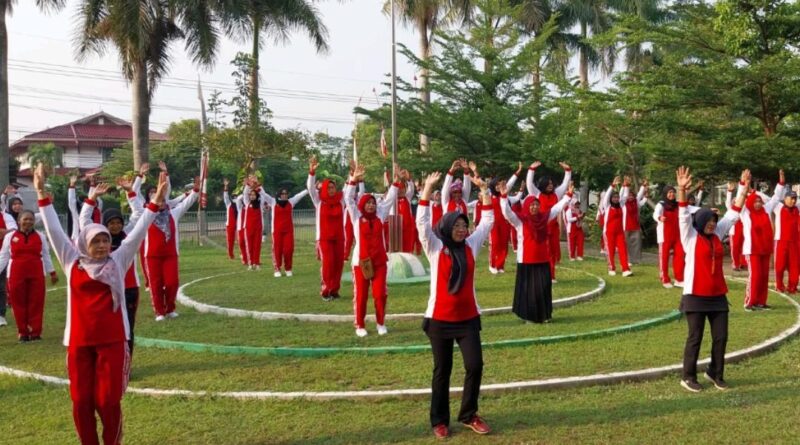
(48, 154)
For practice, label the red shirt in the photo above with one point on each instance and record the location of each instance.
(631, 215)
(157, 244)
(461, 306)
(26, 254)
(92, 317)
(370, 241)
(709, 278)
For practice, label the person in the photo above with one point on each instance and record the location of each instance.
(7, 224)
(436, 208)
(253, 222)
(96, 330)
(455, 192)
(630, 219)
(112, 219)
(405, 195)
(231, 214)
(453, 313)
(704, 291)
(668, 236)
(600, 219)
(576, 238)
(370, 258)
(758, 243)
(787, 244)
(735, 235)
(501, 231)
(282, 227)
(329, 204)
(161, 251)
(533, 296)
(613, 232)
(548, 196)
(26, 259)
(73, 202)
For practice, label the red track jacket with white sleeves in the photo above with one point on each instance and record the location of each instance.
(529, 250)
(704, 275)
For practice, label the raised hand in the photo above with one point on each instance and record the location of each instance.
(746, 176)
(781, 176)
(358, 172)
(683, 178)
(571, 188)
(519, 168)
(564, 165)
(480, 183)
(473, 167)
(535, 165)
(731, 186)
(99, 190)
(617, 181)
(125, 183)
(144, 169)
(432, 179)
(161, 192)
(225, 183)
(645, 183)
(502, 187)
(626, 181)
(313, 163)
(162, 166)
(700, 184)
(456, 164)
(73, 179)
(39, 178)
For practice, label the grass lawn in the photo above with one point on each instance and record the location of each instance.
(766, 390)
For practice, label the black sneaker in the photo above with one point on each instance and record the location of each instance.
(718, 383)
(691, 385)
(36, 338)
(327, 298)
(335, 296)
(765, 307)
(24, 339)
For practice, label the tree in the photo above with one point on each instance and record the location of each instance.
(141, 31)
(257, 20)
(6, 8)
(47, 154)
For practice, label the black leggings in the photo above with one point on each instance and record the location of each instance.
(131, 305)
(470, 346)
(719, 340)
(3, 292)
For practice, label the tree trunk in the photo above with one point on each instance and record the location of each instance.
(584, 59)
(424, 94)
(140, 116)
(4, 161)
(254, 102)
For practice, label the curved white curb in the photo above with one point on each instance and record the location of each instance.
(553, 383)
(336, 318)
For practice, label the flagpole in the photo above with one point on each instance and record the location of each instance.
(398, 233)
(202, 226)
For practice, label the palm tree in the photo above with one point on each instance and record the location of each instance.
(141, 32)
(6, 7)
(257, 20)
(592, 16)
(47, 154)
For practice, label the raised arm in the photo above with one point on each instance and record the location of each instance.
(265, 197)
(126, 252)
(311, 182)
(556, 209)
(561, 189)
(64, 249)
(508, 214)
(641, 197)
(777, 197)
(481, 233)
(72, 206)
(448, 182)
(529, 180)
(298, 197)
(430, 243)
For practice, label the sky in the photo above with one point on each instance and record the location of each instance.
(304, 89)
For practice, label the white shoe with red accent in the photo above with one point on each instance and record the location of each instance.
(361, 332)
(382, 330)
(172, 315)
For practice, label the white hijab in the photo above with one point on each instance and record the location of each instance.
(104, 271)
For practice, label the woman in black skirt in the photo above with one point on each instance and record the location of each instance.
(533, 296)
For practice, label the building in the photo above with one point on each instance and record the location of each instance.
(85, 144)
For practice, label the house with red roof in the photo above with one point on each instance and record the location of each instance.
(85, 143)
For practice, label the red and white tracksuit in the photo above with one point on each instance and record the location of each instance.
(240, 215)
(758, 244)
(96, 333)
(369, 243)
(668, 235)
(704, 276)
(282, 228)
(614, 234)
(437, 212)
(231, 213)
(531, 249)
(27, 259)
(161, 256)
(499, 237)
(404, 210)
(253, 227)
(600, 218)
(735, 238)
(329, 234)
(575, 236)
(546, 202)
(787, 246)
(449, 205)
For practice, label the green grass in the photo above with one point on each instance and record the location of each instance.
(31, 412)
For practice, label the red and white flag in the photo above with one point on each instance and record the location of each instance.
(384, 148)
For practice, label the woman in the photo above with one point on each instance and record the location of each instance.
(668, 236)
(96, 329)
(533, 297)
(575, 235)
(548, 196)
(613, 231)
(704, 286)
(456, 193)
(329, 204)
(735, 235)
(501, 231)
(436, 208)
(787, 243)
(370, 259)
(453, 313)
(231, 213)
(27, 257)
(253, 222)
(630, 219)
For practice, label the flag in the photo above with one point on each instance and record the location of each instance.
(386, 181)
(384, 149)
(203, 179)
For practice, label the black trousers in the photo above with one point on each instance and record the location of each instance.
(3, 292)
(131, 305)
(719, 340)
(470, 346)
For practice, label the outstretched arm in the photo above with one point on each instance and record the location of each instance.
(561, 189)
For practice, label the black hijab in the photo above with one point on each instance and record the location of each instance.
(458, 251)
(611, 199)
(701, 218)
(667, 203)
(279, 201)
(108, 215)
(10, 207)
(544, 181)
(493, 185)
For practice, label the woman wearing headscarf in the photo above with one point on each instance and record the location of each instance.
(501, 231)
(573, 218)
(231, 214)
(668, 236)
(735, 234)
(26, 259)
(548, 196)
(453, 313)
(436, 208)
(631, 207)
(97, 328)
(253, 222)
(7, 224)
(613, 232)
(758, 243)
(405, 195)
(533, 297)
(455, 193)
(787, 243)
(704, 290)
(329, 204)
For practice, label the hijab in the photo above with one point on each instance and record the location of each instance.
(330, 205)
(282, 202)
(458, 250)
(668, 204)
(701, 218)
(10, 206)
(104, 271)
(536, 224)
(108, 216)
(362, 204)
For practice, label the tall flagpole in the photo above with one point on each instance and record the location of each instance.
(397, 232)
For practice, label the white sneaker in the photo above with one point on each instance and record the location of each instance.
(277, 274)
(667, 285)
(627, 273)
(612, 273)
(3, 321)
(361, 332)
(493, 270)
(172, 315)
(678, 283)
(249, 267)
(161, 318)
(382, 330)
(572, 259)
(257, 267)
(553, 281)
(501, 270)
(288, 273)
(580, 258)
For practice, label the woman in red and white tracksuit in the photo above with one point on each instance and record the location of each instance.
(455, 193)
(436, 208)
(453, 314)
(97, 328)
(668, 235)
(758, 243)
(329, 204)
(613, 232)
(787, 243)
(252, 222)
(548, 196)
(501, 231)
(405, 195)
(231, 215)
(161, 248)
(282, 227)
(704, 287)
(27, 257)
(630, 219)
(368, 217)
(735, 235)
(576, 238)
